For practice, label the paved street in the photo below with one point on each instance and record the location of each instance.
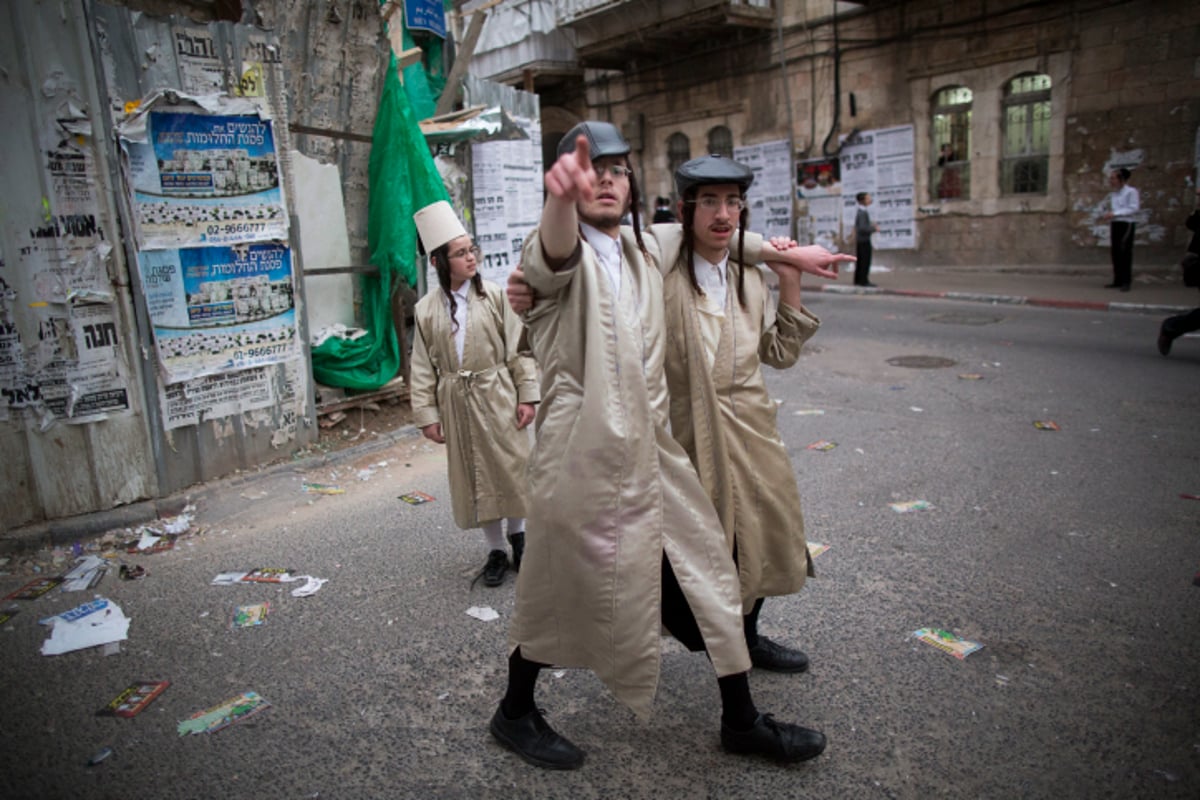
(1068, 554)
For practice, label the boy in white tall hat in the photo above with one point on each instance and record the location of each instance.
(472, 389)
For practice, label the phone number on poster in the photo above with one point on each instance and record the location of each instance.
(236, 227)
(240, 356)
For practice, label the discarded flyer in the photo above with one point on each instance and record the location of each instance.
(151, 542)
(911, 505)
(808, 412)
(970, 376)
(134, 699)
(1186, 496)
(816, 548)
(321, 488)
(944, 640)
(174, 526)
(1045, 425)
(35, 588)
(483, 613)
(77, 613)
(228, 578)
(100, 622)
(310, 586)
(822, 445)
(416, 498)
(8, 614)
(232, 710)
(86, 573)
(268, 575)
(249, 616)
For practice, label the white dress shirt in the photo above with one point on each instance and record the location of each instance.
(608, 252)
(1124, 204)
(461, 295)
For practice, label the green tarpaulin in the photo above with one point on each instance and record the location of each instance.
(402, 178)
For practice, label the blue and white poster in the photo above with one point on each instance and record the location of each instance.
(216, 309)
(206, 180)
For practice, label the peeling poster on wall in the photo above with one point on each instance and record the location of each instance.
(206, 179)
(216, 309)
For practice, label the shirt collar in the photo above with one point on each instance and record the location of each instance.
(605, 246)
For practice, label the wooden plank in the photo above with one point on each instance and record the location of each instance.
(396, 387)
(449, 94)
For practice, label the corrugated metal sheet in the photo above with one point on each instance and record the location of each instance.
(48, 95)
(65, 283)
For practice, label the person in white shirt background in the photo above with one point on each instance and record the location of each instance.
(1123, 205)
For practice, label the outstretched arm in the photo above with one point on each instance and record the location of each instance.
(791, 263)
(569, 180)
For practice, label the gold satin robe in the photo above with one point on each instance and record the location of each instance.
(610, 490)
(726, 420)
(476, 401)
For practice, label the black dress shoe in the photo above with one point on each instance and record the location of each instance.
(778, 740)
(1164, 343)
(1113, 285)
(517, 542)
(534, 740)
(775, 657)
(494, 569)
(1124, 287)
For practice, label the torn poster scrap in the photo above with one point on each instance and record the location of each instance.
(221, 716)
(1045, 425)
(99, 622)
(35, 588)
(822, 445)
(911, 505)
(134, 699)
(483, 613)
(416, 498)
(86, 573)
(249, 616)
(947, 642)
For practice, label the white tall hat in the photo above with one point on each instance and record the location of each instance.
(437, 224)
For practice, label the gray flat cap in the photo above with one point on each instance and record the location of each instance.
(712, 170)
(603, 140)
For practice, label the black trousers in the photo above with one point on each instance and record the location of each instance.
(1121, 234)
(1182, 323)
(862, 267)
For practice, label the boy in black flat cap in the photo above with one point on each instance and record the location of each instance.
(722, 327)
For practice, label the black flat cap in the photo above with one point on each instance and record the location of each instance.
(710, 171)
(603, 140)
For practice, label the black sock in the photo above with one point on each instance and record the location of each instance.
(522, 678)
(750, 624)
(737, 707)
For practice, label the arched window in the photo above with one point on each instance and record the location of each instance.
(720, 141)
(679, 150)
(950, 173)
(1025, 161)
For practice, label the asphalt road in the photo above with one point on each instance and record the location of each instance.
(1068, 554)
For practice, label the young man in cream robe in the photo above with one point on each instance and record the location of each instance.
(472, 389)
(722, 326)
(622, 538)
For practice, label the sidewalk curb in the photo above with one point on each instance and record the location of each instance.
(65, 531)
(1003, 299)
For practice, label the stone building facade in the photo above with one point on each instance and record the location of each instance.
(1037, 102)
